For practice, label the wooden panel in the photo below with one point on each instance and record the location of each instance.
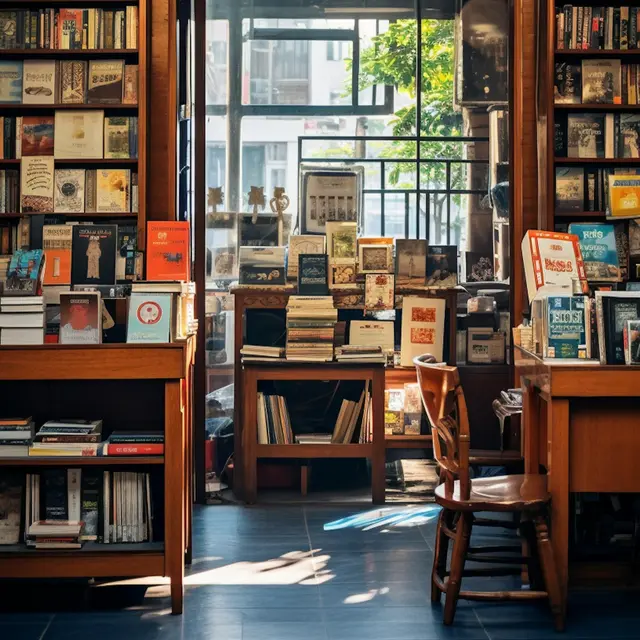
(314, 450)
(304, 371)
(407, 442)
(594, 381)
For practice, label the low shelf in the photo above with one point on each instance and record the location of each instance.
(67, 53)
(314, 451)
(408, 442)
(19, 106)
(80, 461)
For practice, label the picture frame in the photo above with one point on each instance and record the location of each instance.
(375, 258)
(343, 276)
(341, 242)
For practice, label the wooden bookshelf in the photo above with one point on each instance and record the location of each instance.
(169, 365)
(14, 106)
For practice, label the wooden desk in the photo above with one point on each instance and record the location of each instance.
(580, 422)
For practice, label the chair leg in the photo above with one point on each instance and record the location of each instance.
(440, 556)
(460, 546)
(548, 565)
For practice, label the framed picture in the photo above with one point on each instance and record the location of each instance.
(329, 194)
(341, 242)
(374, 258)
(342, 276)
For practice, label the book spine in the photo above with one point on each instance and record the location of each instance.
(586, 28)
(633, 27)
(624, 28)
(616, 28)
(134, 449)
(73, 493)
(595, 29)
(568, 28)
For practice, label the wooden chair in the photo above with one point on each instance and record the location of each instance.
(460, 497)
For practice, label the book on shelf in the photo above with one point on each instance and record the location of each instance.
(93, 254)
(379, 290)
(592, 28)
(567, 88)
(149, 318)
(142, 443)
(313, 438)
(360, 354)
(16, 436)
(613, 309)
(442, 266)
(601, 82)
(372, 333)
(168, 251)
(302, 244)
(112, 190)
(631, 341)
(394, 412)
(623, 195)
(72, 87)
(55, 534)
(274, 423)
(56, 244)
(11, 74)
(182, 309)
(562, 326)
(411, 262)
(412, 410)
(39, 81)
(262, 265)
(586, 135)
(105, 82)
(349, 417)
(422, 328)
(80, 318)
(37, 136)
(11, 495)
(310, 328)
(599, 251)
(79, 134)
(260, 351)
(313, 274)
(69, 195)
(36, 184)
(127, 507)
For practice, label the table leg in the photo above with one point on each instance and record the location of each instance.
(558, 466)
(530, 429)
(174, 490)
(378, 457)
(250, 436)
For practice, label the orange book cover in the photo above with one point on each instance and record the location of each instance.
(168, 251)
(56, 243)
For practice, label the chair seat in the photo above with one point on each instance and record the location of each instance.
(502, 493)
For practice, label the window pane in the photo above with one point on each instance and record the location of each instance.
(216, 66)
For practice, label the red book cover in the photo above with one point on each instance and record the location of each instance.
(135, 449)
(168, 251)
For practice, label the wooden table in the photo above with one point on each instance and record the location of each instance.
(580, 422)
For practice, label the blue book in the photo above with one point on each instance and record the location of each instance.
(10, 81)
(566, 335)
(149, 317)
(599, 251)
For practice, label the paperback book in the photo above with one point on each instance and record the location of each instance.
(168, 251)
(69, 191)
(36, 184)
(586, 135)
(10, 81)
(80, 318)
(422, 328)
(37, 136)
(39, 82)
(106, 80)
(79, 134)
(93, 257)
(599, 251)
(411, 262)
(303, 244)
(149, 318)
(567, 85)
(379, 292)
(73, 81)
(56, 242)
(312, 274)
(262, 265)
(601, 82)
(113, 189)
(442, 266)
(566, 327)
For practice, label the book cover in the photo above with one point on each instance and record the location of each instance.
(422, 328)
(69, 191)
(601, 82)
(479, 267)
(586, 135)
(11, 484)
(629, 142)
(341, 242)
(411, 262)
(379, 292)
(302, 244)
(258, 265)
(599, 251)
(10, 81)
(24, 275)
(39, 82)
(130, 90)
(36, 184)
(56, 242)
(70, 25)
(566, 327)
(567, 87)
(80, 317)
(106, 81)
(79, 134)
(168, 252)
(93, 254)
(91, 488)
(393, 412)
(624, 196)
(442, 266)
(372, 333)
(375, 258)
(127, 248)
(312, 274)
(116, 137)
(617, 310)
(149, 318)
(569, 189)
(73, 81)
(412, 409)
(631, 338)
(37, 136)
(54, 493)
(113, 190)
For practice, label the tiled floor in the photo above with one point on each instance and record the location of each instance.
(275, 573)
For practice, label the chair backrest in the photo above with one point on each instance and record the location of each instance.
(443, 400)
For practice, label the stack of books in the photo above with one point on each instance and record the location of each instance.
(348, 419)
(22, 320)
(274, 424)
(80, 438)
(16, 435)
(4, 263)
(143, 443)
(357, 354)
(55, 534)
(310, 328)
(258, 353)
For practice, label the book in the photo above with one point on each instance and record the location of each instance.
(599, 251)
(93, 254)
(149, 318)
(305, 244)
(479, 267)
(411, 262)
(567, 326)
(586, 135)
(134, 449)
(266, 230)
(629, 140)
(341, 242)
(127, 252)
(73, 81)
(412, 409)
(10, 81)
(567, 86)
(442, 266)
(70, 27)
(24, 275)
(36, 184)
(613, 310)
(91, 488)
(631, 339)
(113, 190)
(601, 82)
(372, 333)
(37, 136)
(105, 82)
(168, 252)
(79, 134)
(569, 189)
(312, 274)
(69, 191)
(11, 494)
(56, 242)
(130, 87)
(116, 137)
(39, 82)
(379, 292)
(422, 328)
(394, 412)
(624, 196)
(80, 318)
(54, 494)
(552, 259)
(261, 265)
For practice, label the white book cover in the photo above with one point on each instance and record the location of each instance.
(39, 82)
(73, 494)
(36, 184)
(372, 333)
(422, 328)
(69, 191)
(79, 134)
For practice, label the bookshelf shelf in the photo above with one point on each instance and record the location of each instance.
(15, 106)
(89, 548)
(79, 461)
(314, 451)
(88, 162)
(579, 215)
(82, 216)
(596, 53)
(67, 53)
(602, 161)
(597, 107)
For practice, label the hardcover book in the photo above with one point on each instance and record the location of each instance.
(79, 134)
(629, 141)
(37, 136)
(113, 190)
(73, 81)
(375, 258)
(412, 409)
(342, 276)
(54, 494)
(127, 249)
(613, 310)
(601, 82)
(567, 87)
(80, 317)
(93, 254)
(422, 328)
(116, 137)
(599, 251)
(624, 196)
(312, 274)
(91, 490)
(262, 265)
(379, 292)
(566, 334)
(39, 82)
(341, 242)
(106, 81)
(586, 135)
(149, 318)
(302, 244)
(130, 91)
(36, 184)
(70, 26)
(10, 81)
(56, 242)
(168, 251)
(411, 262)
(69, 191)
(442, 266)
(569, 189)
